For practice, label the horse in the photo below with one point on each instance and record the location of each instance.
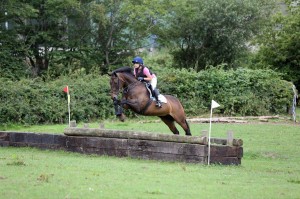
(136, 97)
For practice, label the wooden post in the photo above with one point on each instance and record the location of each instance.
(73, 123)
(101, 126)
(204, 133)
(204, 136)
(229, 138)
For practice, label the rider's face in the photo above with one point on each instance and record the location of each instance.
(136, 65)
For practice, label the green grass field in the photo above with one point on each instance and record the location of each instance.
(270, 168)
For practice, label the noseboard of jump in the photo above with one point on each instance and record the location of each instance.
(143, 145)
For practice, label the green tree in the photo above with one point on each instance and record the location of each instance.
(12, 64)
(212, 32)
(38, 29)
(59, 37)
(279, 45)
(122, 27)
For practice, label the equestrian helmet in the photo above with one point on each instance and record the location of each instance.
(138, 60)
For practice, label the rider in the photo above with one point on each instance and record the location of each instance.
(142, 73)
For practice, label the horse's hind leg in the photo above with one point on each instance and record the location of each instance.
(187, 130)
(169, 121)
(183, 123)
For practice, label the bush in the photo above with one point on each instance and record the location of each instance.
(35, 101)
(240, 92)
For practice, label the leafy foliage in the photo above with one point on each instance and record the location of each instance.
(240, 92)
(39, 28)
(34, 101)
(54, 38)
(213, 32)
(279, 45)
(59, 37)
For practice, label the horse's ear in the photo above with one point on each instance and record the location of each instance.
(112, 73)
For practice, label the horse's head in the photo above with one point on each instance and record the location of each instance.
(120, 78)
(114, 86)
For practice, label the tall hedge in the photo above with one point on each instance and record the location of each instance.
(36, 101)
(240, 92)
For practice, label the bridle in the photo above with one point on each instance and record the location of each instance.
(116, 91)
(125, 89)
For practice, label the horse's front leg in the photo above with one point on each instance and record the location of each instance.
(122, 117)
(118, 110)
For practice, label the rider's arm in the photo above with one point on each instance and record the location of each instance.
(147, 73)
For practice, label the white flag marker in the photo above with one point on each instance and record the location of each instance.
(214, 104)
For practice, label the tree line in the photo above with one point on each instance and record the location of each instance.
(49, 38)
(232, 50)
(239, 92)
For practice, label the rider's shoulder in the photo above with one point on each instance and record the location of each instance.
(145, 67)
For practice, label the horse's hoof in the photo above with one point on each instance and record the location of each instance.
(122, 117)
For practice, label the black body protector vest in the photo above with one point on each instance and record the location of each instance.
(140, 73)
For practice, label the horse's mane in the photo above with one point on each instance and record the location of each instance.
(124, 69)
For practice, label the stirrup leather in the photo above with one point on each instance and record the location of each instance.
(158, 104)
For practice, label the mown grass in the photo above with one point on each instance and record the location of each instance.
(270, 168)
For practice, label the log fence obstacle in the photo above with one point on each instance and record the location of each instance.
(142, 145)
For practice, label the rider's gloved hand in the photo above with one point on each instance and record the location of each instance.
(140, 78)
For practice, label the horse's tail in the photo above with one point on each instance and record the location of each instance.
(188, 132)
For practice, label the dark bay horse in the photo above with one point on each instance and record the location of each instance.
(136, 97)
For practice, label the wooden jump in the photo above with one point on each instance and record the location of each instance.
(143, 145)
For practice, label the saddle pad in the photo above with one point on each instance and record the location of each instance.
(162, 98)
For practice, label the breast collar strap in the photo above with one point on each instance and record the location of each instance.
(127, 89)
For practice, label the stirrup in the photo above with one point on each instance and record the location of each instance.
(158, 104)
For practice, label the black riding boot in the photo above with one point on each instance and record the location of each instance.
(155, 94)
(118, 107)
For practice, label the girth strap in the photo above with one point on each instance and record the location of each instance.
(141, 111)
(131, 86)
(146, 107)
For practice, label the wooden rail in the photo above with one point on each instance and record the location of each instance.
(143, 145)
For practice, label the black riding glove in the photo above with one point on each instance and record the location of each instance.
(140, 78)
(115, 101)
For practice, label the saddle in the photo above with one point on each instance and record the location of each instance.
(161, 97)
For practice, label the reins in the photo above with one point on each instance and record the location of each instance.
(126, 89)
(130, 86)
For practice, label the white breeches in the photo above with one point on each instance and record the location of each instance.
(153, 82)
